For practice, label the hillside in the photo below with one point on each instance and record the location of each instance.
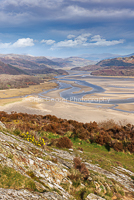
(27, 59)
(116, 67)
(124, 62)
(9, 69)
(43, 157)
(122, 66)
(86, 68)
(73, 62)
(115, 71)
(26, 66)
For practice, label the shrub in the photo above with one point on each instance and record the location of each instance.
(81, 167)
(130, 147)
(81, 133)
(64, 142)
(118, 146)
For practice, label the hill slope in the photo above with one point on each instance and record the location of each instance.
(27, 66)
(124, 62)
(9, 69)
(73, 62)
(116, 67)
(111, 67)
(36, 163)
(21, 59)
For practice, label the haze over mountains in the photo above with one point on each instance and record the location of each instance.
(26, 64)
(121, 66)
(39, 64)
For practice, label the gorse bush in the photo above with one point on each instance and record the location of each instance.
(64, 142)
(108, 133)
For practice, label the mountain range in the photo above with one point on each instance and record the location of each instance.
(26, 64)
(121, 66)
(99, 57)
(20, 64)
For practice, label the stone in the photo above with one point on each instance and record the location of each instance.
(92, 196)
(2, 125)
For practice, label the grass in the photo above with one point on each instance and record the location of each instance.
(97, 153)
(25, 91)
(11, 179)
(92, 153)
(100, 155)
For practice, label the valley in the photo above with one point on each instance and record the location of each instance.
(89, 97)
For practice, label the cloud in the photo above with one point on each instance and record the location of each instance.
(85, 40)
(20, 11)
(103, 1)
(48, 42)
(77, 11)
(20, 43)
(98, 41)
(70, 36)
(23, 42)
(24, 13)
(5, 45)
(31, 3)
(79, 40)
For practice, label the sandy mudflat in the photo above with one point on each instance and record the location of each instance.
(68, 111)
(114, 89)
(7, 96)
(126, 107)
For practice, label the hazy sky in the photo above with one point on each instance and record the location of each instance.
(64, 28)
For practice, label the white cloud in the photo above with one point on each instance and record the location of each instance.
(77, 41)
(48, 42)
(98, 41)
(23, 42)
(85, 40)
(83, 37)
(32, 3)
(5, 45)
(20, 43)
(66, 43)
(70, 36)
(77, 11)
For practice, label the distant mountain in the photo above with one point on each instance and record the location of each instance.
(116, 67)
(73, 62)
(19, 62)
(15, 58)
(132, 54)
(98, 57)
(125, 61)
(86, 68)
(121, 66)
(9, 69)
(30, 65)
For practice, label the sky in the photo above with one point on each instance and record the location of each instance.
(63, 28)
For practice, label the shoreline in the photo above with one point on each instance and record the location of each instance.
(82, 112)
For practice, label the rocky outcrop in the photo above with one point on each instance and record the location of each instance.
(2, 125)
(94, 197)
(49, 169)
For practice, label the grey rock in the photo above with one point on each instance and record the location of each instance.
(92, 196)
(2, 125)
